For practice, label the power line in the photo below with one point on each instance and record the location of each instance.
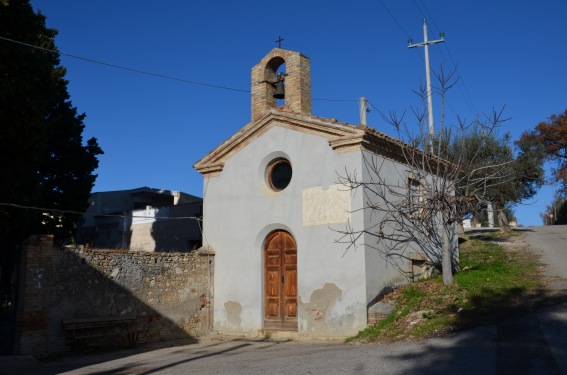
(425, 44)
(464, 91)
(400, 26)
(159, 75)
(384, 117)
(123, 67)
(372, 105)
(466, 94)
(338, 100)
(418, 8)
(58, 211)
(395, 20)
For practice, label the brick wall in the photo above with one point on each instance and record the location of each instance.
(170, 293)
(297, 82)
(375, 318)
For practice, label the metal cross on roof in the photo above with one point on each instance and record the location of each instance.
(279, 41)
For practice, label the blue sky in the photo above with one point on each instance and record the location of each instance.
(509, 53)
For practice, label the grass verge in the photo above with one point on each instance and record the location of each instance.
(494, 279)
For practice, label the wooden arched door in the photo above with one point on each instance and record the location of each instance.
(280, 282)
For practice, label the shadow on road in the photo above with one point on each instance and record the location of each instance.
(529, 338)
(156, 370)
(188, 350)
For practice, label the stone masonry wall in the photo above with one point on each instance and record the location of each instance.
(170, 293)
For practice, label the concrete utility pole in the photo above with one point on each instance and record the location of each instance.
(490, 215)
(426, 44)
(363, 109)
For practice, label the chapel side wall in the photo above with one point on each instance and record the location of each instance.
(385, 272)
(170, 293)
(382, 272)
(240, 211)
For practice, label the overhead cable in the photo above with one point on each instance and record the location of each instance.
(59, 211)
(464, 91)
(159, 75)
(123, 67)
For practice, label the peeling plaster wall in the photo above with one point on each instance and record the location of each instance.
(240, 210)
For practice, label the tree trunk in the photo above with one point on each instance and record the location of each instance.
(503, 221)
(447, 255)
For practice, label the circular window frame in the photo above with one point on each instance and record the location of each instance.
(269, 170)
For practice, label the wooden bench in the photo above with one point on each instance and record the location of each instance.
(79, 330)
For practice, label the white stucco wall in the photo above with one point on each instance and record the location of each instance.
(384, 262)
(240, 211)
(381, 271)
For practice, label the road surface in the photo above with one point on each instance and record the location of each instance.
(551, 243)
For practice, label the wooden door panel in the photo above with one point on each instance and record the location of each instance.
(290, 293)
(291, 311)
(280, 285)
(273, 284)
(289, 260)
(272, 309)
(272, 261)
(289, 241)
(290, 284)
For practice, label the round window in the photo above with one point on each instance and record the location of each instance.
(279, 174)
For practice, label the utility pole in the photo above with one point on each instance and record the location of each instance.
(426, 44)
(490, 212)
(363, 109)
(554, 204)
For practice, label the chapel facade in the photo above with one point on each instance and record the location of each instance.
(272, 203)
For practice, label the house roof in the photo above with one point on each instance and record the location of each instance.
(118, 201)
(342, 137)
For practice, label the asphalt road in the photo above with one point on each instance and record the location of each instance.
(550, 242)
(532, 342)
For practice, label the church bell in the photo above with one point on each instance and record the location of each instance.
(279, 93)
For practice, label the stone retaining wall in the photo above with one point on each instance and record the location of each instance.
(170, 293)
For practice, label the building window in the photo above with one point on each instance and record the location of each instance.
(279, 174)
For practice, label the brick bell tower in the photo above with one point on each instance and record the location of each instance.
(297, 83)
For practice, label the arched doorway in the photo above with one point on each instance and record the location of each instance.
(280, 281)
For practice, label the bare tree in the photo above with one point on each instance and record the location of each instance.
(442, 179)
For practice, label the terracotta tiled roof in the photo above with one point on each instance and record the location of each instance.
(341, 135)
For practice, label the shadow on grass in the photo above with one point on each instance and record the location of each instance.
(494, 307)
(512, 332)
(492, 234)
(492, 238)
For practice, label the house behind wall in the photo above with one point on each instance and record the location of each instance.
(143, 219)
